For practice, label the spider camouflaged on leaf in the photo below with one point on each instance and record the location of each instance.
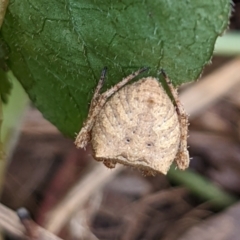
(138, 126)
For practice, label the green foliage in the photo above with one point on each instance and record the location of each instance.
(5, 86)
(58, 48)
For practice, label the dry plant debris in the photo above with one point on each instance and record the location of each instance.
(138, 126)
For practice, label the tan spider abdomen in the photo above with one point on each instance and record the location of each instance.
(138, 126)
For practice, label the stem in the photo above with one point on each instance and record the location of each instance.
(9, 125)
(228, 45)
(202, 188)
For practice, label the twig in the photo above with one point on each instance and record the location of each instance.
(9, 222)
(30, 226)
(206, 92)
(96, 177)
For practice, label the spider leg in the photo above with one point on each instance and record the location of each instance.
(83, 137)
(182, 157)
(98, 88)
(116, 87)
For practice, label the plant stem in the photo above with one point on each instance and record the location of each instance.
(202, 187)
(228, 45)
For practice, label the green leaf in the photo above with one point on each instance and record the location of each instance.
(5, 86)
(2, 156)
(58, 48)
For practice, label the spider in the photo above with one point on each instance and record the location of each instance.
(137, 125)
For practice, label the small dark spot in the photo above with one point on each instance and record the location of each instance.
(149, 144)
(128, 140)
(150, 101)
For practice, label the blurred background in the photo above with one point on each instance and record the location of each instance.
(67, 192)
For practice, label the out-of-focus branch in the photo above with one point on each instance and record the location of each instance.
(95, 178)
(10, 223)
(206, 92)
